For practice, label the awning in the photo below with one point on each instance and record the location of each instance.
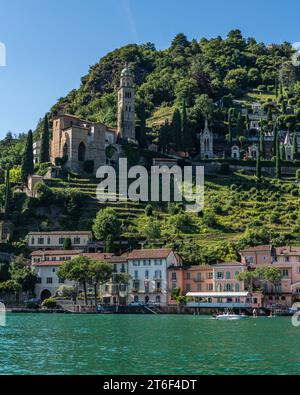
(217, 294)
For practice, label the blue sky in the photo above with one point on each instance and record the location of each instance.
(50, 44)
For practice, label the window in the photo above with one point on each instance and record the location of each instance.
(81, 152)
(209, 276)
(228, 275)
(40, 240)
(286, 258)
(198, 287)
(61, 240)
(136, 274)
(123, 268)
(61, 281)
(220, 275)
(53, 270)
(188, 276)
(188, 287)
(147, 274)
(49, 280)
(48, 240)
(157, 274)
(227, 287)
(199, 276)
(146, 262)
(174, 276)
(158, 262)
(115, 268)
(76, 240)
(285, 273)
(237, 287)
(249, 259)
(39, 280)
(32, 241)
(209, 287)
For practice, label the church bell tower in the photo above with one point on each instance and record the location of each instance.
(126, 105)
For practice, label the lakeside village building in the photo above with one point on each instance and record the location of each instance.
(156, 273)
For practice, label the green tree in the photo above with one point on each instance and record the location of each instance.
(295, 146)
(106, 224)
(27, 162)
(282, 152)
(262, 144)
(164, 136)
(67, 243)
(176, 136)
(278, 158)
(120, 283)
(151, 230)
(258, 166)
(7, 195)
(141, 125)
(21, 273)
(187, 142)
(77, 269)
(240, 126)
(45, 141)
(100, 273)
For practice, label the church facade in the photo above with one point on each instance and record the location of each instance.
(77, 141)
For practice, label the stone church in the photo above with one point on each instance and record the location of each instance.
(79, 141)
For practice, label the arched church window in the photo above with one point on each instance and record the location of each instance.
(81, 152)
(65, 150)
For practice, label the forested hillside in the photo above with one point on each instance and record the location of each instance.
(181, 85)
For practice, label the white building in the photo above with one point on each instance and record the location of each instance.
(148, 271)
(253, 151)
(235, 152)
(36, 147)
(206, 142)
(46, 265)
(79, 239)
(288, 146)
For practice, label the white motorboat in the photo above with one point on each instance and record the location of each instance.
(231, 317)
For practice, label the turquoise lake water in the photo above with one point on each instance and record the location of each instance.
(147, 344)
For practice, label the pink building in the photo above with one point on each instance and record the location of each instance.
(287, 260)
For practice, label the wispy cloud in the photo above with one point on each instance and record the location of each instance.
(130, 18)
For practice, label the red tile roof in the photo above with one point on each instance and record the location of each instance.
(267, 247)
(56, 252)
(158, 253)
(63, 232)
(288, 251)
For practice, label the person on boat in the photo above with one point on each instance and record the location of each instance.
(254, 313)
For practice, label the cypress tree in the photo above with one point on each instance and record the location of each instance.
(176, 137)
(187, 141)
(44, 155)
(282, 152)
(295, 147)
(262, 143)
(275, 134)
(7, 192)
(141, 126)
(27, 162)
(229, 129)
(276, 87)
(258, 166)
(278, 161)
(270, 115)
(240, 126)
(283, 107)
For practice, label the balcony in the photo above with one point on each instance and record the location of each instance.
(198, 280)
